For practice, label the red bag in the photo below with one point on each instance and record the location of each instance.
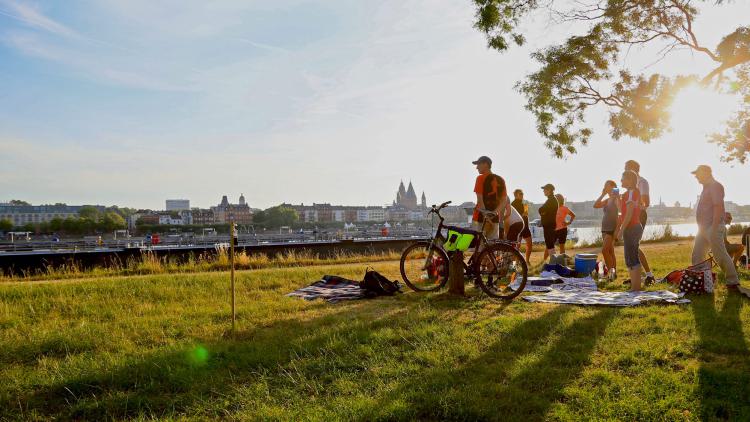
(675, 277)
(693, 282)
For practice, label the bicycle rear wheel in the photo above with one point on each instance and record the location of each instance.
(424, 267)
(499, 266)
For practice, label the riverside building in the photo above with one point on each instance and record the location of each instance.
(34, 214)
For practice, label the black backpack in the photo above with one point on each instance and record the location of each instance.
(377, 285)
(494, 190)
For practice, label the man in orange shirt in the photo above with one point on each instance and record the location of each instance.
(491, 196)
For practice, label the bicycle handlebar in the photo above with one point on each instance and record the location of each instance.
(436, 208)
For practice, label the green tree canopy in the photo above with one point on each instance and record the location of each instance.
(6, 225)
(56, 224)
(585, 70)
(260, 217)
(18, 202)
(112, 221)
(89, 212)
(276, 217)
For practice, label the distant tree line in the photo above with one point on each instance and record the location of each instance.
(89, 221)
(276, 217)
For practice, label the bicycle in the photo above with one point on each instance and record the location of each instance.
(425, 264)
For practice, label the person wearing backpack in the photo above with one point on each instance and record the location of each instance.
(491, 196)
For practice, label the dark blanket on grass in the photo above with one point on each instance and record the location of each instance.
(333, 289)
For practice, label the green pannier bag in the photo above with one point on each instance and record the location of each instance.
(459, 239)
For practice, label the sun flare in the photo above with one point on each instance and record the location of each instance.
(699, 111)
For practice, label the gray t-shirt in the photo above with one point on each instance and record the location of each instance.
(712, 194)
(643, 188)
(609, 221)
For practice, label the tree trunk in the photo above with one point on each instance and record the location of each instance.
(456, 274)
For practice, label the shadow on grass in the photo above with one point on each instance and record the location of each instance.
(724, 374)
(189, 379)
(519, 377)
(170, 380)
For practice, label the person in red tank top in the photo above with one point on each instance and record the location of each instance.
(630, 228)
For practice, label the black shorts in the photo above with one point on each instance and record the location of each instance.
(501, 235)
(549, 236)
(514, 231)
(561, 236)
(525, 233)
(643, 217)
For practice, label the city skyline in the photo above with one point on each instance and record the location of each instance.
(688, 203)
(304, 101)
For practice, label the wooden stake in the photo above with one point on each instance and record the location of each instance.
(231, 264)
(456, 274)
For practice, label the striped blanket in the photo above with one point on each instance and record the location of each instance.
(332, 289)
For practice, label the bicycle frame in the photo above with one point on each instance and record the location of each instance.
(482, 239)
(492, 264)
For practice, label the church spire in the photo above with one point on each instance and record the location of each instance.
(410, 192)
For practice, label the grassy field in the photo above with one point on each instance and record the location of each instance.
(159, 347)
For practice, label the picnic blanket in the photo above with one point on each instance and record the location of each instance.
(331, 288)
(548, 282)
(589, 297)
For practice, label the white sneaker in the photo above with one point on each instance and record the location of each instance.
(612, 274)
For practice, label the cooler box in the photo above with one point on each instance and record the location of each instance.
(585, 263)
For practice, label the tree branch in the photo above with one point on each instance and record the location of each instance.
(725, 66)
(689, 30)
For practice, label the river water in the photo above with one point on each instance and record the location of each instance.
(590, 234)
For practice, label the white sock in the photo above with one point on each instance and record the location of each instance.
(648, 274)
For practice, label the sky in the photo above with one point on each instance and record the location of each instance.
(131, 102)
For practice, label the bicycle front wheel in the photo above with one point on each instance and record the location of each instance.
(424, 267)
(497, 268)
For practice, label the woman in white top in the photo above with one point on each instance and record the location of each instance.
(512, 222)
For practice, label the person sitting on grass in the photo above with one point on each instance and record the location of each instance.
(630, 227)
(561, 222)
(609, 225)
(733, 249)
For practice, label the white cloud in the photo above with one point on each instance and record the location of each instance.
(29, 15)
(266, 47)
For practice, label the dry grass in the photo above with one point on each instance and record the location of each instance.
(149, 263)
